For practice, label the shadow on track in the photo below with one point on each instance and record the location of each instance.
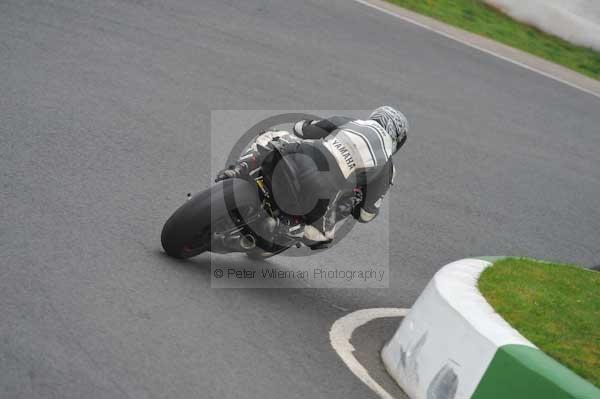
(197, 271)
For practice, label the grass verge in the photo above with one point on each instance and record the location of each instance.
(557, 307)
(477, 17)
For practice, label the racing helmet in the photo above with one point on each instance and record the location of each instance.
(394, 122)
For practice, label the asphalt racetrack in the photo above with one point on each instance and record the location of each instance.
(105, 110)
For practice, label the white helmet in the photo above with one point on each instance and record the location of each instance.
(394, 122)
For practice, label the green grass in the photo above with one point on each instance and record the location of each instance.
(557, 307)
(477, 17)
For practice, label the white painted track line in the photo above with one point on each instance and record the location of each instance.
(341, 333)
(472, 45)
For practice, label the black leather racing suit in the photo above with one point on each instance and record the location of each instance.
(322, 163)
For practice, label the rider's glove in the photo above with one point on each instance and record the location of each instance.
(231, 172)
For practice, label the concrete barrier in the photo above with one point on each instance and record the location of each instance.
(452, 344)
(575, 21)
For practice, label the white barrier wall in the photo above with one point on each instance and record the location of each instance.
(453, 345)
(577, 21)
(445, 344)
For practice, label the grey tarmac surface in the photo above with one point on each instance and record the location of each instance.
(105, 112)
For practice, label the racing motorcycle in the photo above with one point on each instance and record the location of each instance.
(240, 215)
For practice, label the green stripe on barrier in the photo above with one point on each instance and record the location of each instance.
(522, 372)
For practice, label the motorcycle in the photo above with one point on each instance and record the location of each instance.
(239, 215)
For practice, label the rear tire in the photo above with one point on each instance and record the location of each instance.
(188, 232)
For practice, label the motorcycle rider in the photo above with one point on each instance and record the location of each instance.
(326, 163)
